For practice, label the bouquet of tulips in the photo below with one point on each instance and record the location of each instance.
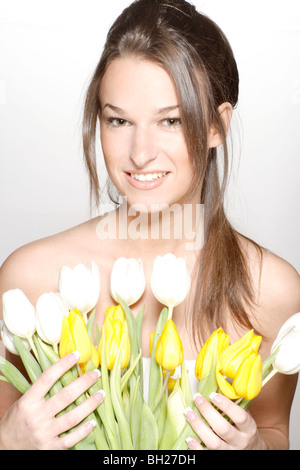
(132, 416)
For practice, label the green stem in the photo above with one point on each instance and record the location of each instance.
(32, 345)
(165, 384)
(268, 377)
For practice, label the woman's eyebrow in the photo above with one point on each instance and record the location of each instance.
(160, 111)
(114, 108)
(166, 109)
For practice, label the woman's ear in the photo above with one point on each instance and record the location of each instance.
(215, 137)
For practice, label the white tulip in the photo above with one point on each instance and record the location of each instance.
(18, 313)
(50, 309)
(127, 280)
(287, 360)
(170, 280)
(8, 339)
(80, 286)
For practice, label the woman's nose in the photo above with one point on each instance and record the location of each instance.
(143, 149)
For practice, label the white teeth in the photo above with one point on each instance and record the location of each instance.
(148, 176)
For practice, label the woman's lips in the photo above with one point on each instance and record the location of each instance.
(146, 180)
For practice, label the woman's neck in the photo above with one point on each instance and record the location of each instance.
(173, 229)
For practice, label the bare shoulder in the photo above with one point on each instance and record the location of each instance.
(277, 288)
(35, 267)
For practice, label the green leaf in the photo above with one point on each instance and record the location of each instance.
(186, 386)
(32, 367)
(13, 375)
(135, 416)
(112, 440)
(149, 430)
(175, 421)
(129, 371)
(90, 325)
(160, 414)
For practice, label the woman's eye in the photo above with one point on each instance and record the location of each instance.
(172, 122)
(117, 122)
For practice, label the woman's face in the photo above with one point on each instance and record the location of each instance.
(142, 137)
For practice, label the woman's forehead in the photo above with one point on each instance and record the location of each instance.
(132, 80)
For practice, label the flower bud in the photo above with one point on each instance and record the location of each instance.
(210, 352)
(287, 360)
(74, 337)
(170, 280)
(80, 286)
(127, 280)
(8, 340)
(114, 327)
(169, 350)
(50, 310)
(18, 313)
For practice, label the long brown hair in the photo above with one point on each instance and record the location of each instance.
(197, 56)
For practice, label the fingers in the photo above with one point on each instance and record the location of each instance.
(72, 418)
(206, 434)
(72, 438)
(71, 392)
(42, 386)
(214, 430)
(237, 414)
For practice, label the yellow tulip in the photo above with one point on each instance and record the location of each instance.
(242, 363)
(248, 379)
(233, 355)
(171, 381)
(74, 336)
(169, 350)
(247, 382)
(114, 327)
(210, 352)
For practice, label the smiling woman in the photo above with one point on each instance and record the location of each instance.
(162, 98)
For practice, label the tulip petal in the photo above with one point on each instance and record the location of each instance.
(50, 309)
(287, 359)
(170, 279)
(80, 286)
(169, 350)
(18, 313)
(225, 387)
(248, 380)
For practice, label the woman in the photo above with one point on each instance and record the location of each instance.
(163, 93)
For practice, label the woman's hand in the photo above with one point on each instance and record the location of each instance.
(31, 423)
(219, 433)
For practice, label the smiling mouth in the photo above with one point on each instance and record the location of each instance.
(148, 176)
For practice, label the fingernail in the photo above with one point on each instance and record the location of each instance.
(91, 424)
(215, 397)
(100, 394)
(198, 398)
(95, 374)
(75, 355)
(189, 413)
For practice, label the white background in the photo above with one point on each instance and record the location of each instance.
(48, 51)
